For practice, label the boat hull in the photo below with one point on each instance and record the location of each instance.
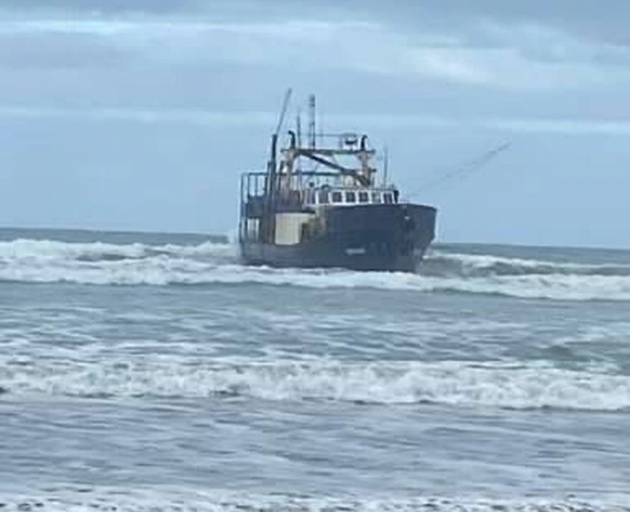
(387, 237)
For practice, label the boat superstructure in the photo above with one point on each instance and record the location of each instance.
(318, 204)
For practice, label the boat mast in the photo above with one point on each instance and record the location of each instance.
(298, 125)
(271, 185)
(273, 162)
(385, 165)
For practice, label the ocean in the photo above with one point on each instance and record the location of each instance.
(154, 372)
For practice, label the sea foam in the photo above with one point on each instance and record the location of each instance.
(98, 263)
(450, 383)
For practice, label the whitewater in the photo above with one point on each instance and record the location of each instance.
(48, 261)
(156, 372)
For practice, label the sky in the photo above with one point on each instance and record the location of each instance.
(141, 114)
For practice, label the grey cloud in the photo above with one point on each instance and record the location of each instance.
(452, 39)
(522, 56)
(43, 51)
(607, 20)
(152, 6)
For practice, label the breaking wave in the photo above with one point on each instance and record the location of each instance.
(477, 265)
(177, 501)
(459, 384)
(211, 263)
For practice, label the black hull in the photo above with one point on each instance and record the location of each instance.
(387, 237)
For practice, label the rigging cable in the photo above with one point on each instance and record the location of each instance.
(461, 171)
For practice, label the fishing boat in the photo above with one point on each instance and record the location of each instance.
(319, 204)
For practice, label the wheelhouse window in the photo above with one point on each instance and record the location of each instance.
(376, 197)
(323, 197)
(351, 197)
(388, 198)
(337, 197)
(364, 197)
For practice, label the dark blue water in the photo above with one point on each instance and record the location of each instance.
(155, 372)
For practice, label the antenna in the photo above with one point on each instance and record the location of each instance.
(311, 122)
